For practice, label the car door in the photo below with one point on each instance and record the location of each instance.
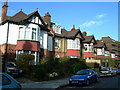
(93, 76)
(7, 82)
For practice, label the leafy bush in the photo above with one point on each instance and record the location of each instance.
(24, 61)
(40, 73)
(112, 63)
(92, 65)
(77, 66)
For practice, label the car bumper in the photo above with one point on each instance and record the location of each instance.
(106, 74)
(77, 82)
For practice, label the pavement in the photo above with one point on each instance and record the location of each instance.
(52, 84)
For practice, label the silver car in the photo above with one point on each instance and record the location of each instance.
(108, 71)
(8, 82)
(118, 70)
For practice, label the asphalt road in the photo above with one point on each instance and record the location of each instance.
(104, 82)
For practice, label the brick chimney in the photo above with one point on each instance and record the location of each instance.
(4, 11)
(84, 33)
(73, 28)
(47, 18)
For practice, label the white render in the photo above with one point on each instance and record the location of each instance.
(43, 40)
(50, 43)
(3, 32)
(56, 28)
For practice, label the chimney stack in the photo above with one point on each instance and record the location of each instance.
(84, 33)
(47, 19)
(73, 28)
(4, 11)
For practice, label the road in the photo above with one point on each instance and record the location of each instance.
(104, 82)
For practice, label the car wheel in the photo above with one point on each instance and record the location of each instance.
(87, 82)
(97, 79)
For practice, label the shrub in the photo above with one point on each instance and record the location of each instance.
(24, 61)
(112, 63)
(92, 65)
(77, 66)
(40, 73)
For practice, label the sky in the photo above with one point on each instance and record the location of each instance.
(96, 18)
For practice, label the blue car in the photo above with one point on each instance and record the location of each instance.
(84, 77)
(7, 82)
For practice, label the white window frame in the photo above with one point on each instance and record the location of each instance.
(33, 33)
(57, 43)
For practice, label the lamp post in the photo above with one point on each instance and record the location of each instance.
(5, 54)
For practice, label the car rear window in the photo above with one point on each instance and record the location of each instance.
(5, 80)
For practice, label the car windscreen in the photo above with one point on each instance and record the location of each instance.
(10, 65)
(104, 69)
(82, 72)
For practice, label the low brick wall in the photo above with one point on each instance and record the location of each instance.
(93, 61)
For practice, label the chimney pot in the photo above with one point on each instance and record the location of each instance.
(73, 28)
(84, 33)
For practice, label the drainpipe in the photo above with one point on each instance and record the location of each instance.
(5, 55)
(81, 46)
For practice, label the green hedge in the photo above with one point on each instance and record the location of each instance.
(92, 65)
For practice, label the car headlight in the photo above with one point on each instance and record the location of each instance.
(70, 79)
(88, 77)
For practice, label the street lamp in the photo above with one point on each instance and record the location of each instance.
(5, 54)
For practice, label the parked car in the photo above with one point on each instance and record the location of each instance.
(85, 77)
(115, 71)
(9, 82)
(108, 71)
(13, 69)
(118, 70)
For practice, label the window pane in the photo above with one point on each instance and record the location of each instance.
(33, 34)
(27, 33)
(26, 52)
(21, 33)
(5, 80)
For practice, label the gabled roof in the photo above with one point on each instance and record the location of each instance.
(22, 17)
(18, 16)
(88, 39)
(100, 45)
(71, 34)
